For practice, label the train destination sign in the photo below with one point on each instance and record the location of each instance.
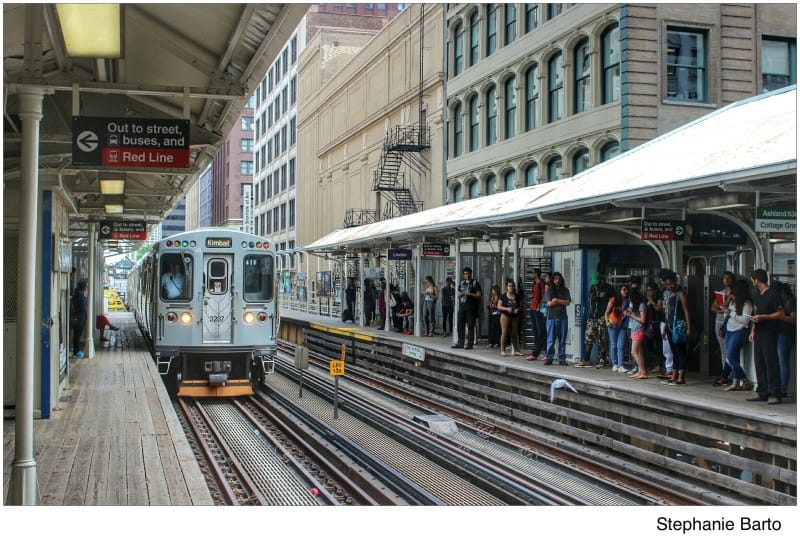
(130, 142)
(123, 230)
(776, 219)
(653, 229)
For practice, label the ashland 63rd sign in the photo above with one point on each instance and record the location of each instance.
(130, 142)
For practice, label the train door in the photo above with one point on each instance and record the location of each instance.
(217, 299)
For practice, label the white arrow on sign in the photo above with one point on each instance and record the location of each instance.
(679, 230)
(88, 141)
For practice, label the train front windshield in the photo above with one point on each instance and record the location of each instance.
(259, 276)
(176, 276)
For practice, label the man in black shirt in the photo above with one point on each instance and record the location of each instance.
(596, 329)
(764, 336)
(469, 294)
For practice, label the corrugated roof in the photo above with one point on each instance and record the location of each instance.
(742, 140)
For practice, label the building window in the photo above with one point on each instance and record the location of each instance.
(457, 193)
(554, 169)
(292, 131)
(554, 10)
(583, 89)
(474, 38)
(293, 90)
(509, 180)
(247, 167)
(580, 161)
(531, 97)
(510, 23)
(268, 221)
(269, 185)
(555, 82)
(458, 130)
(531, 17)
(531, 175)
(511, 108)
(609, 150)
(285, 99)
(283, 216)
(473, 124)
(269, 79)
(247, 145)
(294, 49)
(269, 151)
(458, 49)
(247, 123)
(285, 58)
(491, 29)
(283, 177)
(611, 56)
(283, 139)
(269, 116)
(491, 185)
(778, 63)
(291, 172)
(491, 115)
(263, 157)
(686, 61)
(251, 103)
(291, 213)
(473, 190)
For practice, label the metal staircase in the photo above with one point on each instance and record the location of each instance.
(401, 144)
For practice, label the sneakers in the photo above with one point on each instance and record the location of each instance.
(614, 368)
(531, 358)
(79, 354)
(583, 364)
(720, 381)
(622, 370)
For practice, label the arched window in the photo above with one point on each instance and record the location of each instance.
(511, 23)
(474, 38)
(531, 97)
(611, 56)
(458, 130)
(554, 169)
(555, 88)
(511, 108)
(458, 49)
(491, 115)
(457, 193)
(473, 189)
(491, 184)
(491, 29)
(583, 89)
(531, 174)
(509, 180)
(609, 150)
(473, 124)
(580, 161)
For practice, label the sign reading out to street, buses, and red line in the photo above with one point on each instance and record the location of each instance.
(130, 142)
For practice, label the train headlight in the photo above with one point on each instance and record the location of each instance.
(262, 317)
(249, 317)
(171, 317)
(186, 317)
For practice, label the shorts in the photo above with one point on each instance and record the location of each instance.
(596, 330)
(637, 335)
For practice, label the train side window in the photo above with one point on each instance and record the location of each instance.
(176, 276)
(259, 277)
(217, 276)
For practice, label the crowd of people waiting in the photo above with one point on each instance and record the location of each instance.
(653, 327)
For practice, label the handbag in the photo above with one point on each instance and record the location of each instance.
(651, 331)
(544, 308)
(678, 326)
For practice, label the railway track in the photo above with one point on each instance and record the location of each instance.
(513, 452)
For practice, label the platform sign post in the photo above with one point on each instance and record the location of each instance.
(336, 368)
(301, 363)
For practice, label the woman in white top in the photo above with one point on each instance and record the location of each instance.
(737, 323)
(429, 305)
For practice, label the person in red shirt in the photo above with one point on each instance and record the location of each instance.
(537, 317)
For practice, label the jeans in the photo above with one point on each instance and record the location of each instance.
(429, 310)
(734, 342)
(785, 345)
(666, 348)
(466, 321)
(539, 332)
(447, 319)
(616, 342)
(722, 341)
(766, 357)
(557, 330)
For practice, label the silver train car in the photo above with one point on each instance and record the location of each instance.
(206, 303)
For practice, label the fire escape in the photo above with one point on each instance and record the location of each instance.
(402, 144)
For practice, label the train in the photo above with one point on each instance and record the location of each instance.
(206, 304)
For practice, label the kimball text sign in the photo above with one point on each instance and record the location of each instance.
(776, 219)
(130, 142)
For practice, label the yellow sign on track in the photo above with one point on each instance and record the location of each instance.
(336, 368)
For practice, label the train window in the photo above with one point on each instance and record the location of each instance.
(259, 276)
(176, 276)
(217, 276)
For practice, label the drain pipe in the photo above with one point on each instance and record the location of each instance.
(660, 253)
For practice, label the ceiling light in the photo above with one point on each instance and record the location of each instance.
(114, 208)
(112, 187)
(91, 30)
(623, 219)
(724, 206)
(717, 202)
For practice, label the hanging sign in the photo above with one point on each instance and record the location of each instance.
(435, 249)
(123, 230)
(399, 254)
(130, 142)
(663, 230)
(776, 219)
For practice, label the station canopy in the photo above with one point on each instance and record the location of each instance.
(195, 62)
(737, 157)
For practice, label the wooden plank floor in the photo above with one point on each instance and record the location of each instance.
(114, 439)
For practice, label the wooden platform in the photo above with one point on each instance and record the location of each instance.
(114, 439)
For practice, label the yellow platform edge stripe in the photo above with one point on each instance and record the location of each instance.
(341, 331)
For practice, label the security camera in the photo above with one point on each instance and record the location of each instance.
(486, 237)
